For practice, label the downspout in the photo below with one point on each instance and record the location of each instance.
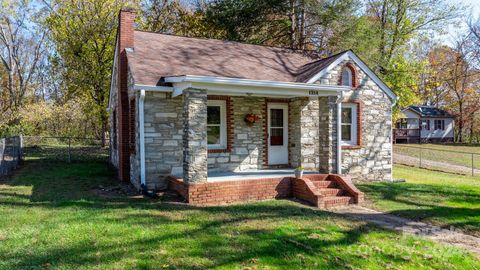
(391, 134)
(141, 120)
(339, 133)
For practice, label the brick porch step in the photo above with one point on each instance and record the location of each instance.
(329, 192)
(324, 184)
(337, 201)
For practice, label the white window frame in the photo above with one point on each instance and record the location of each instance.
(223, 123)
(349, 72)
(353, 131)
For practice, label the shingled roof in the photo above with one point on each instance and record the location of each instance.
(429, 111)
(159, 55)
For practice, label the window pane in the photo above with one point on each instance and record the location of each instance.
(346, 77)
(276, 136)
(213, 115)
(213, 134)
(346, 132)
(276, 117)
(347, 115)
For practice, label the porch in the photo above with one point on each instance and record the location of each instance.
(320, 190)
(406, 135)
(253, 175)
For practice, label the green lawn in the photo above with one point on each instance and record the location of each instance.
(439, 198)
(51, 219)
(430, 152)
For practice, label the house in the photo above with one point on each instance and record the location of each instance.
(221, 121)
(424, 124)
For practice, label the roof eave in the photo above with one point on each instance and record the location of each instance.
(225, 85)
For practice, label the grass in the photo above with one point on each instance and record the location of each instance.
(51, 219)
(439, 198)
(431, 152)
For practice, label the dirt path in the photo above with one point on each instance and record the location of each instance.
(432, 164)
(436, 233)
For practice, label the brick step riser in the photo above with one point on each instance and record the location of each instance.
(324, 184)
(330, 192)
(338, 202)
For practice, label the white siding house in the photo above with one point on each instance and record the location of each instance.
(424, 124)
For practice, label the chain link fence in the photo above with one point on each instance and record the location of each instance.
(467, 163)
(64, 149)
(10, 154)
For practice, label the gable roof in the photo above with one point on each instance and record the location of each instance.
(156, 56)
(159, 55)
(429, 111)
(350, 55)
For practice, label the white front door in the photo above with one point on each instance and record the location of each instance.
(277, 133)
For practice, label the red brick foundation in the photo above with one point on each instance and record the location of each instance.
(315, 189)
(217, 193)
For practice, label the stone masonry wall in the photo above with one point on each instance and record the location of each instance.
(194, 136)
(248, 141)
(163, 138)
(328, 134)
(304, 141)
(372, 159)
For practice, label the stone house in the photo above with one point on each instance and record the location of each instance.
(221, 121)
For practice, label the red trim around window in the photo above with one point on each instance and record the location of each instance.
(229, 124)
(359, 144)
(354, 73)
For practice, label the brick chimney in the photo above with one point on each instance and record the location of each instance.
(126, 19)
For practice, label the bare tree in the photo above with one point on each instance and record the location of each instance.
(20, 52)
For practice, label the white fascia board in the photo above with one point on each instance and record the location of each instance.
(415, 112)
(153, 88)
(350, 55)
(263, 91)
(254, 87)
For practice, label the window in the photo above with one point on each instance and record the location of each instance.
(347, 77)
(402, 123)
(439, 124)
(425, 124)
(276, 126)
(216, 124)
(349, 124)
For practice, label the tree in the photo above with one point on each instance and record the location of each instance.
(21, 49)
(399, 21)
(297, 24)
(83, 33)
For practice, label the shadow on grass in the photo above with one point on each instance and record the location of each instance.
(424, 202)
(200, 237)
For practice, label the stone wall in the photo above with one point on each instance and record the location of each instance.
(372, 159)
(328, 134)
(304, 141)
(163, 138)
(113, 108)
(248, 141)
(194, 136)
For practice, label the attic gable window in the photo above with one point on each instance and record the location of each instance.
(348, 76)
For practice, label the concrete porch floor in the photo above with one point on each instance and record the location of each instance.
(252, 175)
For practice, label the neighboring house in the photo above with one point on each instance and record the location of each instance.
(191, 114)
(424, 124)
